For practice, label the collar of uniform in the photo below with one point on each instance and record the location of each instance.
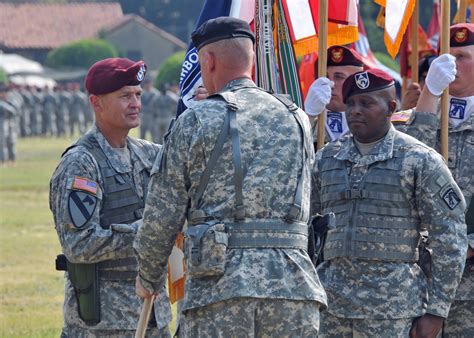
(115, 160)
(238, 83)
(380, 152)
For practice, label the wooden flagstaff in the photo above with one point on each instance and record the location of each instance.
(414, 58)
(444, 36)
(322, 62)
(144, 317)
(462, 11)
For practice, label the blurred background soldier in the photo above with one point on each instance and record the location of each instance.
(62, 119)
(167, 103)
(50, 111)
(36, 111)
(76, 110)
(149, 110)
(87, 112)
(25, 125)
(6, 110)
(16, 99)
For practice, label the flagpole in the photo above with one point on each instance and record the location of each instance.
(414, 42)
(462, 12)
(322, 61)
(444, 36)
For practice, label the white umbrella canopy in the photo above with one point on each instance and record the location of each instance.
(23, 71)
(14, 63)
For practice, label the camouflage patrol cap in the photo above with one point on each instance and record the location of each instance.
(366, 82)
(461, 35)
(221, 28)
(343, 56)
(109, 75)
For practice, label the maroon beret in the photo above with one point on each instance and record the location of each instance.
(109, 75)
(343, 56)
(365, 82)
(461, 35)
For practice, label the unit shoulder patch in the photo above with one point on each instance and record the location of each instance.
(81, 207)
(450, 197)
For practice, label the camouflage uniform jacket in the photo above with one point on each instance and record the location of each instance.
(382, 289)
(425, 127)
(272, 149)
(91, 243)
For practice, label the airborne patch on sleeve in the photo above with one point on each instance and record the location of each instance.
(451, 199)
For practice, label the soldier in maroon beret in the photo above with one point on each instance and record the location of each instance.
(97, 196)
(456, 72)
(385, 187)
(324, 95)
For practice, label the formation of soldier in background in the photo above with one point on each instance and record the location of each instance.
(28, 111)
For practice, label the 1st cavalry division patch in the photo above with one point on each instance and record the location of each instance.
(82, 201)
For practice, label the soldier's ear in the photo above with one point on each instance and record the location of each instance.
(95, 102)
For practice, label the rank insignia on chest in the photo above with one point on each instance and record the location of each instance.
(457, 108)
(451, 198)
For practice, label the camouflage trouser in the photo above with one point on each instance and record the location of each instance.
(84, 333)
(460, 322)
(252, 317)
(332, 326)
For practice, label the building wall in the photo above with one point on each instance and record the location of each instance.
(136, 41)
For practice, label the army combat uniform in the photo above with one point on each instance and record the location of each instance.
(382, 201)
(425, 127)
(97, 196)
(264, 283)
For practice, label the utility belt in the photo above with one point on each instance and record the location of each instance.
(206, 243)
(85, 281)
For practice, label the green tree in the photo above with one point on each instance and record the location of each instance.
(170, 70)
(80, 54)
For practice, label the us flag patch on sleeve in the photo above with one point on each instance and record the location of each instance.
(84, 184)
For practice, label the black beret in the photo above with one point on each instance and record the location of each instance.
(343, 56)
(221, 28)
(109, 75)
(365, 82)
(461, 35)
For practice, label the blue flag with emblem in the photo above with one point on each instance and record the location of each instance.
(190, 77)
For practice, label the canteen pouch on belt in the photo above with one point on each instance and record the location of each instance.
(85, 280)
(206, 246)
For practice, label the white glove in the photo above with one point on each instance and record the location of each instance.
(441, 73)
(319, 95)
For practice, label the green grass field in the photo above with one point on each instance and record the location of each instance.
(31, 290)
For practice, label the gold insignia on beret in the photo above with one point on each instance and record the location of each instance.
(337, 54)
(461, 35)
